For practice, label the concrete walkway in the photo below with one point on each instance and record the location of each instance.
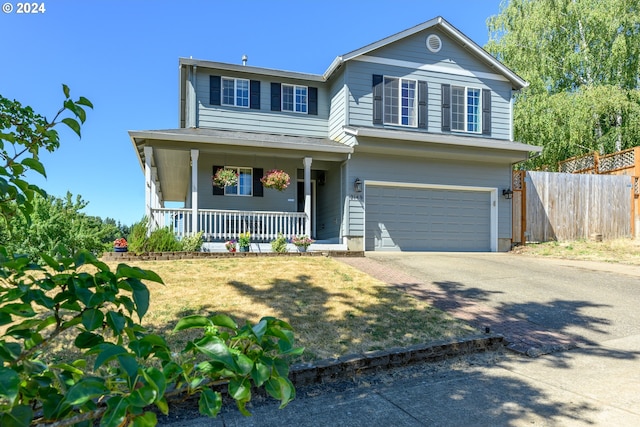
(540, 305)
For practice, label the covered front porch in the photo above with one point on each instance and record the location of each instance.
(178, 166)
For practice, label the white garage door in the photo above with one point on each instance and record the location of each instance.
(427, 219)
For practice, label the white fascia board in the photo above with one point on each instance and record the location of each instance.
(391, 39)
(253, 70)
(284, 143)
(461, 140)
(466, 42)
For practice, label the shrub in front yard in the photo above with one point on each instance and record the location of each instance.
(138, 236)
(279, 245)
(192, 242)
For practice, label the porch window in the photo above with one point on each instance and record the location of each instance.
(465, 109)
(400, 101)
(294, 98)
(235, 92)
(243, 187)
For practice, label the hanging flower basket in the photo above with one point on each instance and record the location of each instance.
(225, 178)
(276, 179)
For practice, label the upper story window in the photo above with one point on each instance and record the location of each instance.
(243, 187)
(400, 101)
(465, 109)
(235, 92)
(294, 98)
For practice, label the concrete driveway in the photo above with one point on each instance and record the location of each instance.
(587, 303)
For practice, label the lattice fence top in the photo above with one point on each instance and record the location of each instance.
(594, 163)
(611, 162)
(579, 164)
(518, 177)
(636, 186)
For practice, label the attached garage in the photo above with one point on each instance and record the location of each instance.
(422, 217)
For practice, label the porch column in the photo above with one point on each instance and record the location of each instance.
(307, 195)
(148, 153)
(155, 198)
(194, 190)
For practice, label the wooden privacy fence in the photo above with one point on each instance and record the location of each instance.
(625, 162)
(562, 206)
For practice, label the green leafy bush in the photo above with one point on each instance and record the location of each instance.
(192, 242)
(138, 236)
(279, 245)
(57, 226)
(163, 240)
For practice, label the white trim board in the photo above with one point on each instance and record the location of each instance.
(429, 67)
(493, 237)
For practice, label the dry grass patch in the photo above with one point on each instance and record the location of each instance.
(333, 308)
(625, 251)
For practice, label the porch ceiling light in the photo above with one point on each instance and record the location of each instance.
(507, 193)
(357, 185)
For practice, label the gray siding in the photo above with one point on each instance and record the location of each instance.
(328, 204)
(338, 108)
(426, 171)
(452, 57)
(272, 200)
(263, 120)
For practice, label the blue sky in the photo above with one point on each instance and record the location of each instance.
(123, 56)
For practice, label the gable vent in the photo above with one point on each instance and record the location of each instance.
(434, 44)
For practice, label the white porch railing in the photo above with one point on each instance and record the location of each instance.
(219, 224)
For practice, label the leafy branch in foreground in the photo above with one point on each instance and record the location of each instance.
(23, 133)
(112, 369)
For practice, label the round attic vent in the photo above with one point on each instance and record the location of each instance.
(434, 44)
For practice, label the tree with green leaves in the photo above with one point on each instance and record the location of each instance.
(582, 61)
(112, 369)
(58, 227)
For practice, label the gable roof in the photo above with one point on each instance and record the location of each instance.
(441, 24)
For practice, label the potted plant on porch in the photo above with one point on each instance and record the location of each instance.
(244, 240)
(302, 242)
(230, 245)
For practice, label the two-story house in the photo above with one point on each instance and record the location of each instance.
(403, 144)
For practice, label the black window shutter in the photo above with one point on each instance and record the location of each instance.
(217, 191)
(422, 104)
(276, 94)
(377, 99)
(254, 94)
(313, 101)
(214, 90)
(486, 112)
(446, 107)
(257, 185)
